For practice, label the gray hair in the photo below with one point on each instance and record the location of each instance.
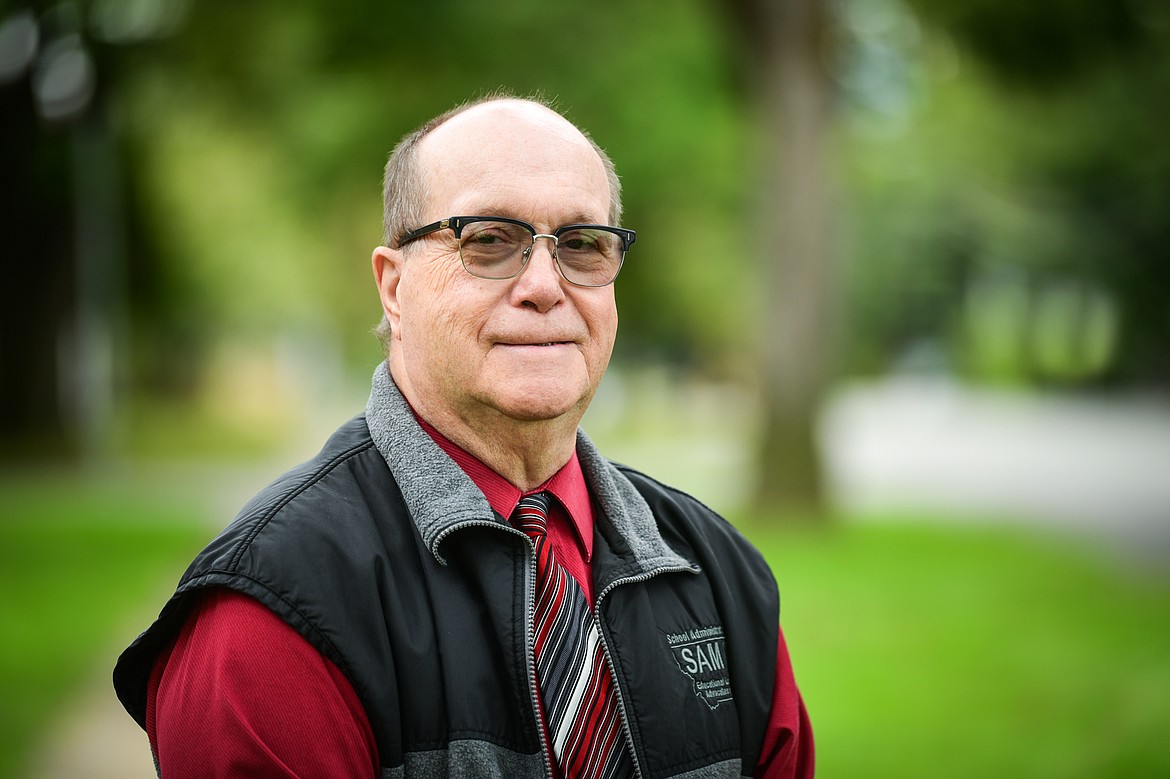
(404, 187)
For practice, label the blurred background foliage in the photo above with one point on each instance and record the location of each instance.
(1011, 187)
(193, 187)
(191, 190)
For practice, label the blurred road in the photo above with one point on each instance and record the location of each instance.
(1094, 466)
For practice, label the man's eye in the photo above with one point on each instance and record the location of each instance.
(487, 234)
(486, 237)
(588, 242)
(578, 243)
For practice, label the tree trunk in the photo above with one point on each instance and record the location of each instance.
(792, 91)
(36, 295)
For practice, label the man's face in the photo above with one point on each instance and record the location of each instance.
(529, 348)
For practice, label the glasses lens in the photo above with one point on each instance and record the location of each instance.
(493, 250)
(588, 256)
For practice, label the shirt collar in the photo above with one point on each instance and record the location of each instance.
(440, 497)
(566, 485)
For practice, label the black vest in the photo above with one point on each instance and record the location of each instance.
(428, 616)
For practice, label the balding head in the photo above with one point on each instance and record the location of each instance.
(408, 178)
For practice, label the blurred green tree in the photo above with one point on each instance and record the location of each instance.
(1008, 185)
(251, 139)
(305, 101)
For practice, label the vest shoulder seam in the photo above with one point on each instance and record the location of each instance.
(321, 472)
(216, 573)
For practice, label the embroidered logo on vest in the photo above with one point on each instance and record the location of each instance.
(701, 654)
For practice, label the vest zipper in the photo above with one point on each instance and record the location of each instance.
(609, 659)
(438, 539)
(529, 630)
(530, 654)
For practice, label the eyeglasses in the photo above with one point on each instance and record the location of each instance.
(495, 247)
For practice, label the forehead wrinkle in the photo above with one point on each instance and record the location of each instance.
(544, 208)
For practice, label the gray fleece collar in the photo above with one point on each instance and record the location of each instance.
(441, 497)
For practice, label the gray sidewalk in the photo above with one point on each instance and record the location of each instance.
(93, 738)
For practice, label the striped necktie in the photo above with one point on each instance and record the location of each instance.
(576, 685)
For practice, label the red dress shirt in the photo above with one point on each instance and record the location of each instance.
(240, 693)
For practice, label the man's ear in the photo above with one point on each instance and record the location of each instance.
(387, 265)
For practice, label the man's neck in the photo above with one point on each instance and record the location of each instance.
(525, 452)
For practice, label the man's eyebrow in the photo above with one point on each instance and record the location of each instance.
(578, 218)
(582, 218)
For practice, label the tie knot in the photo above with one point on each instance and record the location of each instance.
(531, 514)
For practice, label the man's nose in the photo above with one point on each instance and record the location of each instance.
(541, 282)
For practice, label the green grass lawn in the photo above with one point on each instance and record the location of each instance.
(922, 650)
(935, 651)
(75, 562)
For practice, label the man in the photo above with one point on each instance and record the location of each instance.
(459, 584)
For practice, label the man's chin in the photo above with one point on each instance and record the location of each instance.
(537, 412)
(538, 406)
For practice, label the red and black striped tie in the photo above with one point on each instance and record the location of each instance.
(576, 685)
